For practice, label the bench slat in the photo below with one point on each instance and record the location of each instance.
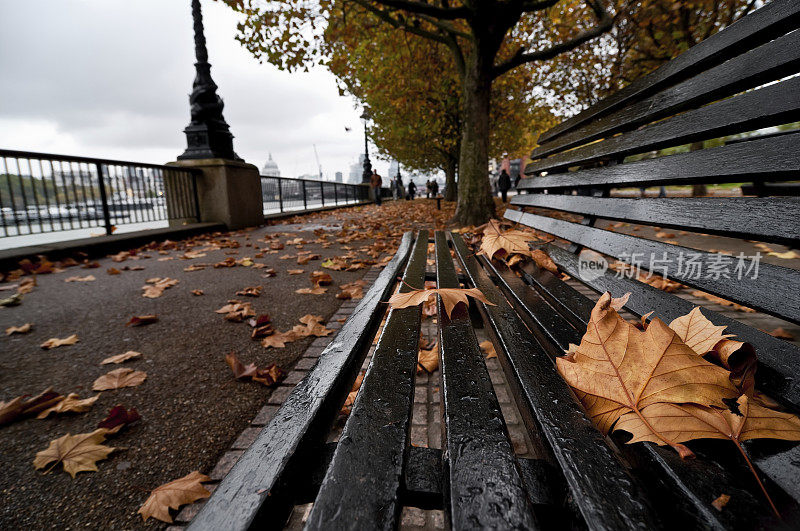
(762, 25)
(779, 361)
(772, 105)
(773, 159)
(683, 483)
(768, 62)
(748, 218)
(362, 485)
(248, 494)
(601, 485)
(776, 290)
(486, 489)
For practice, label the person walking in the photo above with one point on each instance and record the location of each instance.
(400, 189)
(412, 190)
(504, 183)
(434, 188)
(428, 189)
(375, 183)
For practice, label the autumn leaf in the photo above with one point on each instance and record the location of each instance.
(544, 261)
(295, 271)
(239, 369)
(21, 406)
(351, 290)
(155, 286)
(618, 368)
(450, 297)
(495, 240)
(279, 339)
(197, 292)
(318, 278)
(697, 332)
(113, 271)
(428, 359)
(72, 403)
(788, 255)
(140, 320)
(87, 278)
(721, 501)
(172, 495)
(55, 342)
(23, 329)
(78, 453)
(119, 378)
(317, 290)
(488, 348)
(251, 291)
(119, 358)
(780, 333)
(119, 416)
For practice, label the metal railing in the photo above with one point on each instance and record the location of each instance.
(43, 193)
(283, 194)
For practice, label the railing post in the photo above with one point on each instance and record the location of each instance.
(305, 200)
(103, 198)
(336, 193)
(193, 175)
(322, 192)
(280, 193)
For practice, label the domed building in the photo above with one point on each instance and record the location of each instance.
(270, 169)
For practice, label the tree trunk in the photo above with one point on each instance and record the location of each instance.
(475, 203)
(450, 184)
(698, 190)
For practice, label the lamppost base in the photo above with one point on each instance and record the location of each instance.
(208, 142)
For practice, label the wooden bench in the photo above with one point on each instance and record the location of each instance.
(579, 478)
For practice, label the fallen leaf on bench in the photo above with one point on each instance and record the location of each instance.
(55, 342)
(23, 329)
(351, 396)
(450, 297)
(312, 291)
(21, 406)
(172, 495)
(488, 349)
(119, 416)
(495, 240)
(788, 255)
(779, 332)
(78, 453)
(721, 502)
(119, 358)
(72, 403)
(697, 332)
(618, 368)
(119, 378)
(544, 261)
(140, 320)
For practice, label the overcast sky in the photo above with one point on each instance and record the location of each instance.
(111, 79)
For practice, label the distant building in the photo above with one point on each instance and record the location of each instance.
(339, 176)
(270, 169)
(394, 167)
(356, 171)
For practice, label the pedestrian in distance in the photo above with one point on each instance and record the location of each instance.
(434, 188)
(504, 184)
(400, 189)
(375, 183)
(412, 190)
(428, 189)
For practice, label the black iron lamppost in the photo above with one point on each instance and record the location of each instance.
(208, 135)
(365, 177)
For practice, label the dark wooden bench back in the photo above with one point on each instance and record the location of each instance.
(739, 80)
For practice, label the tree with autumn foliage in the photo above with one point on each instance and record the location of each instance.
(486, 39)
(413, 91)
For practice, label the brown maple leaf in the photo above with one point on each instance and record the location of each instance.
(488, 348)
(71, 403)
(55, 342)
(618, 368)
(21, 406)
(87, 278)
(279, 339)
(119, 378)
(544, 261)
(250, 291)
(495, 240)
(318, 278)
(238, 368)
(450, 297)
(317, 290)
(172, 495)
(428, 359)
(78, 453)
(697, 332)
(295, 271)
(119, 358)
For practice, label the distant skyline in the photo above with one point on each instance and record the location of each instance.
(110, 79)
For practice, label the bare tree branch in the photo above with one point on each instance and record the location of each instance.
(604, 23)
(386, 16)
(443, 13)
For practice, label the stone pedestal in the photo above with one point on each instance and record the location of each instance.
(229, 191)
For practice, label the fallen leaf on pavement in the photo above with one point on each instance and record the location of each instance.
(113, 271)
(55, 342)
(119, 378)
(21, 407)
(312, 291)
(252, 291)
(239, 369)
(268, 376)
(87, 278)
(295, 271)
(23, 329)
(318, 278)
(78, 453)
(155, 286)
(172, 495)
(119, 416)
(237, 311)
(197, 292)
(72, 403)
(119, 358)
(139, 320)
